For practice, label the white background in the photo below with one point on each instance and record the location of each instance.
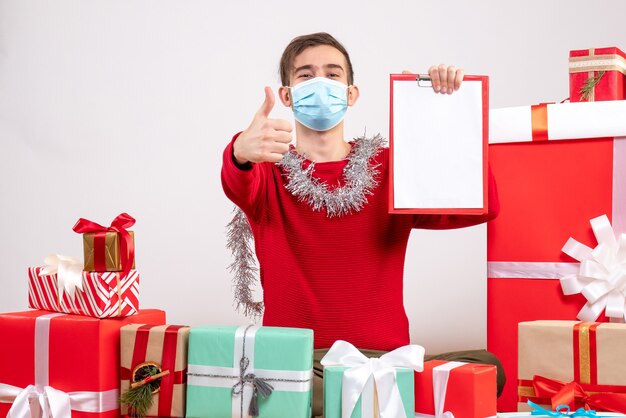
(111, 106)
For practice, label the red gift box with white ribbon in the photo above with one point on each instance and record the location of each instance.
(53, 364)
(557, 167)
(454, 388)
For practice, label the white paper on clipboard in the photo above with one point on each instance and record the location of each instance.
(438, 147)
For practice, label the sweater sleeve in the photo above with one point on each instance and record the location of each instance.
(243, 184)
(461, 221)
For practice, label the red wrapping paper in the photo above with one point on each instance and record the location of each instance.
(83, 353)
(471, 390)
(548, 192)
(612, 84)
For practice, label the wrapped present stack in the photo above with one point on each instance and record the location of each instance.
(62, 359)
(558, 167)
(106, 287)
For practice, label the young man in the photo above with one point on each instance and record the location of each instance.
(331, 256)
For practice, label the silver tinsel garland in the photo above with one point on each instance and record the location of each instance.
(239, 241)
(360, 179)
(359, 174)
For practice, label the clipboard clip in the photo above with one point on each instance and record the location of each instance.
(424, 81)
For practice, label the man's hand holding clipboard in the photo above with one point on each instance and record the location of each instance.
(439, 142)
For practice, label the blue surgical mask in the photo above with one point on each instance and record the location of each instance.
(319, 104)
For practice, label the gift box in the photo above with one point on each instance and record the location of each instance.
(551, 182)
(102, 251)
(368, 401)
(597, 74)
(466, 390)
(235, 371)
(147, 350)
(359, 387)
(68, 364)
(578, 364)
(101, 295)
(108, 248)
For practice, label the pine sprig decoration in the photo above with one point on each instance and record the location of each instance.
(590, 84)
(139, 399)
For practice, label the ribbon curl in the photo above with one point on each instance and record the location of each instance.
(602, 274)
(561, 411)
(382, 369)
(119, 225)
(69, 271)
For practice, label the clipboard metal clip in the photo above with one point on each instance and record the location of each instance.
(424, 81)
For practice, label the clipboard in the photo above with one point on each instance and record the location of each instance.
(438, 146)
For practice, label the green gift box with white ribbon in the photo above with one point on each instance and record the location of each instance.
(333, 377)
(359, 387)
(249, 371)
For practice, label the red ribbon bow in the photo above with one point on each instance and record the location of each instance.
(574, 395)
(119, 225)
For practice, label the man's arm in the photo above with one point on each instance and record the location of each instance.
(242, 183)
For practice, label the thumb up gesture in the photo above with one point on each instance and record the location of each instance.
(266, 139)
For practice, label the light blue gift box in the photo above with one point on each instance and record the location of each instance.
(282, 357)
(333, 383)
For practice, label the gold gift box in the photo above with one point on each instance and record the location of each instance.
(112, 253)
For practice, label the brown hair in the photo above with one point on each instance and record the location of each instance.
(299, 44)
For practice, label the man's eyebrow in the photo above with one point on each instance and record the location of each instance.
(304, 67)
(311, 67)
(334, 66)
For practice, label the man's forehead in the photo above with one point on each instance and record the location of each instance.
(320, 56)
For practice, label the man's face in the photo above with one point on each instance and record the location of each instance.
(319, 61)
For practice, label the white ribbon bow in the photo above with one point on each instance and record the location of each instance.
(602, 274)
(49, 402)
(69, 271)
(30, 402)
(382, 369)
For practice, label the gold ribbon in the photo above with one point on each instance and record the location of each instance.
(583, 353)
(591, 63)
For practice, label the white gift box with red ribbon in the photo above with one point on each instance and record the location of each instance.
(601, 276)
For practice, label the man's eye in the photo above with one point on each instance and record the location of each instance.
(304, 76)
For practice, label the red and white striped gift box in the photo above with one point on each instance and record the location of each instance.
(103, 294)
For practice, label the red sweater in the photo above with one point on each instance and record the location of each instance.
(341, 277)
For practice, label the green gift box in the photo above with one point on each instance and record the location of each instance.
(356, 386)
(231, 368)
(333, 383)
